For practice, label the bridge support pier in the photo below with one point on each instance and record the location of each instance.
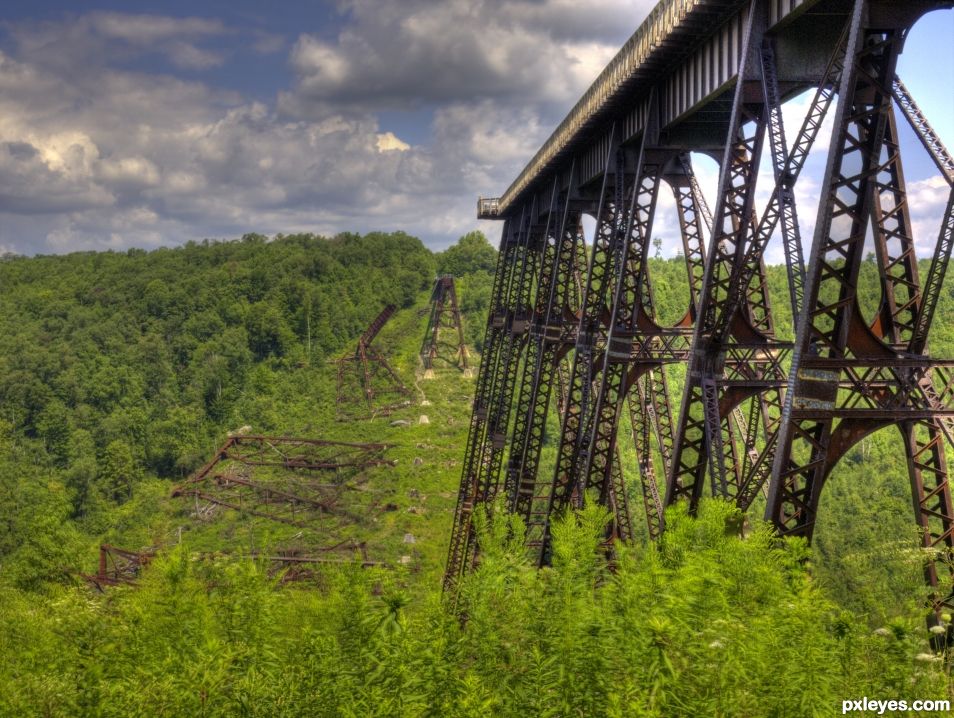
(756, 412)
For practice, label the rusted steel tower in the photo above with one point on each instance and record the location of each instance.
(850, 377)
(758, 414)
(365, 376)
(444, 336)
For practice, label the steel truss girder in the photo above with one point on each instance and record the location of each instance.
(739, 330)
(737, 394)
(847, 379)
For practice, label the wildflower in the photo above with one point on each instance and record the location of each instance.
(882, 632)
(938, 630)
(926, 658)
(716, 644)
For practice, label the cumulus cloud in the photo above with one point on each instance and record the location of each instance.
(927, 199)
(102, 156)
(404, 53)
(97, 152)
(98, 37)
(389, 142)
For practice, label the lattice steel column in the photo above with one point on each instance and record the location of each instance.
(590, 340)
(734, 347)
(703, 432)
(894, 244)
(831, 311)
(444, 317)
(643, 419)
(513, 277)
(594, 469)
(550, 340)
(784, 180)
(847, 379)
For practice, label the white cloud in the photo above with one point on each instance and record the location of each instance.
(389, 142)
(128, 173)
(403, 54)
(96, 38)
(927, 199)
(151, 28)
(100, 156)
(96, 156)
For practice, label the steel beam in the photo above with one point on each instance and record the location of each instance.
(847, 379)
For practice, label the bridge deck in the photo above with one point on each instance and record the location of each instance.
(667, 37)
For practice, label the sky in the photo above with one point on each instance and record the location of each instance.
(142, 124)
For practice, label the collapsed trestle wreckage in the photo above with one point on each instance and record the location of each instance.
(366, 378)
(758, 415)
(229, 480)
(117, 566)
(289, 480)
(122, 567)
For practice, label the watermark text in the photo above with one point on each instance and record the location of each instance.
(870, 705)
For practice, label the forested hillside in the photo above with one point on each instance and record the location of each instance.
(118, 369)
(121, 373)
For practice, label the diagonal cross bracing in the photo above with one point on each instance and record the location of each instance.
(757, 414)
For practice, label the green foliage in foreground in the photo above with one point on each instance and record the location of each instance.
(121, 372)
(700, 624)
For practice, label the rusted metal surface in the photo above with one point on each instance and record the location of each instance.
(367, 383)
(444, 336)
(669, 34)
(301, 482)
(289, 566)
(290, 493)
(756, 411)
(118, 566)
(122, 567)
(504, 341)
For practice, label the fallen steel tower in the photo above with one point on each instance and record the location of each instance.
(366, 377)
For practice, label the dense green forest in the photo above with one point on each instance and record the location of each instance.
(121, 373)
